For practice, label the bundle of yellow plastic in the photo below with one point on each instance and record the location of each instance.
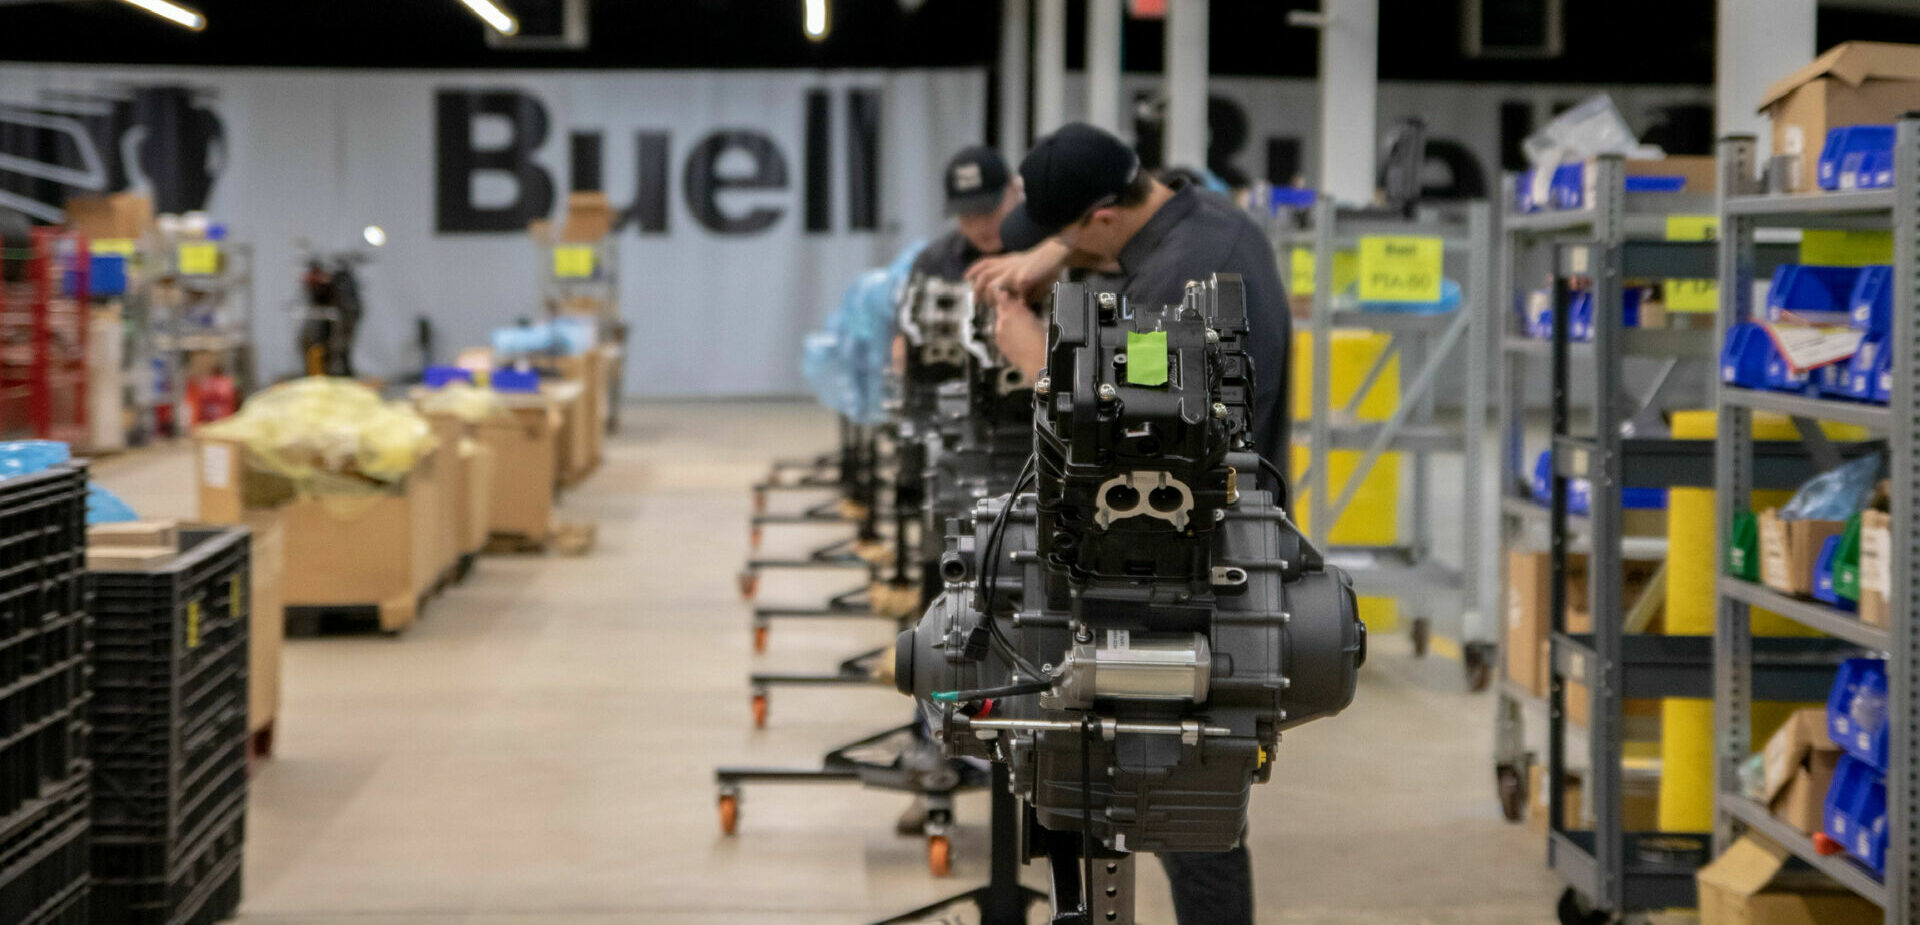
(470, 403)
(328, 435)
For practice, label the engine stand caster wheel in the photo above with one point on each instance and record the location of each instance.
(1422, 635)
(760, 638)
(939, 855)
(759, 711)
(729, 814)
(1573, 910)
(1513, 792)
(749, 584)
(1477, 659)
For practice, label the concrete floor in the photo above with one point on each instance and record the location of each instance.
(540, 748)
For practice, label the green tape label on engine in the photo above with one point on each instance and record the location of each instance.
(1147, 358)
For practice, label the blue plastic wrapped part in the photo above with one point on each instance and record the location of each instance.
(559, 337)
(105, 507)
(846, 364)
(25, 457)
(1812, 294)
(1870, 305)
(1857, 157)
(1837, 493)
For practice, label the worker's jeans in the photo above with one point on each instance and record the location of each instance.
(1211, 889)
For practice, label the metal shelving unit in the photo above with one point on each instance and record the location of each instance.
(1426, 345)
(1736, 686)
(1616, 238)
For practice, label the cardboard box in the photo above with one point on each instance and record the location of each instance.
(585, 442)
(476, 477)
(1572, 814)
(524, 458)
(1635, 574)
(1855, 83)
(1876, 564)
(572, 444)
(1799, 762)
(1529, 589)
(590, 218)
(267, 630)
(162, 533)
(118, 215)
(1789, 549)
(1749, 885)
(355, 550)
(129, 558)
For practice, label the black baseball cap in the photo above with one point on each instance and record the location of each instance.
(976, 179)
(1068, 174)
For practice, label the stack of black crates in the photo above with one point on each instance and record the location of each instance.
(43, 698)
(169, 738)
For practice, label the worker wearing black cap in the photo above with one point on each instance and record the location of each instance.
(1088, 203)
(980, 194)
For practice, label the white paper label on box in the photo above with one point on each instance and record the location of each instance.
(1807, 347)
(216, 466)
(1876, 550)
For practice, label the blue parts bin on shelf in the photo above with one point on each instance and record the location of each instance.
(106, 275)
(1857, 710)
(1824, 568)
(439, 377)
(1743, 359)
(1870, 305)
(508, 379)
(1812, 294)
(1580, 491)
(1567, 189)
(1857, 157)
(1856, 812)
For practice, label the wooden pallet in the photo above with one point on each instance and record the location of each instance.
(259, 746)
(390, 617)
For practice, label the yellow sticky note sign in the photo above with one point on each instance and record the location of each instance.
(1400, 269)
(122, 247)
(1692, 295)
(573, 262)
(1693, 227)
(236, 602)
(199, 258)
(193, 624)
(1302, 265)
(1845, 248)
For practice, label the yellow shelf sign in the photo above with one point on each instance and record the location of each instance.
(199, 258)
(1692, 295)
(573, 262)
(1845, 248)
(121, 247)
(1400, 269)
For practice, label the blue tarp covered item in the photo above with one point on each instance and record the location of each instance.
(25, 457)
(559, 337)
(846, 364)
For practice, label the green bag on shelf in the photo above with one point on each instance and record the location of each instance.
(1846, 562)
(1743, 549)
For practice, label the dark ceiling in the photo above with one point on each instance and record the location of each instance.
(1612, 41)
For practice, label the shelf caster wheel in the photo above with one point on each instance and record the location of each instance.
(1477, 659)
(1573, 910)
(1422, 634)
(729, 814)
(939, 855)
(749, 584)
(760, 639)
(1513, 792)
(759, 711)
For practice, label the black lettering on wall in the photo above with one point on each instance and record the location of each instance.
(650, 196)
(863, 160)
(1226, 135)
(1283, 161)
(1516, 123)
(456, 160)
(819, 161)
(1465, 178)
(704, 183)
(583, 162)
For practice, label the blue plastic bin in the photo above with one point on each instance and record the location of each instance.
(1779, 376)
(1823, 568)
(1812, 294)
(438, 377)
(508, 379)
(1870, 307)
(1855, 157)
(1864, 369)
(1743, 359)
(1579, 491)
(1856, 812)
(1857, 710)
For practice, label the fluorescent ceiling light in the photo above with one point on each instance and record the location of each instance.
(491, 13)
(172, 12)
(816, 11)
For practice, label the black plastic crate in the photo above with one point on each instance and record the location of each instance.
(43, 632)
(168, 714)
(138, 883)
(44, 858)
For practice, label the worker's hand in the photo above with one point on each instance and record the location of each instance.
(1027, 274)
(1020, 333)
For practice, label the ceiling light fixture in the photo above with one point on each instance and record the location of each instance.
(816, 23)
(185, 17)
(496, 17)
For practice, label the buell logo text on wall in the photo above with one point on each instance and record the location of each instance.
(460, 159)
